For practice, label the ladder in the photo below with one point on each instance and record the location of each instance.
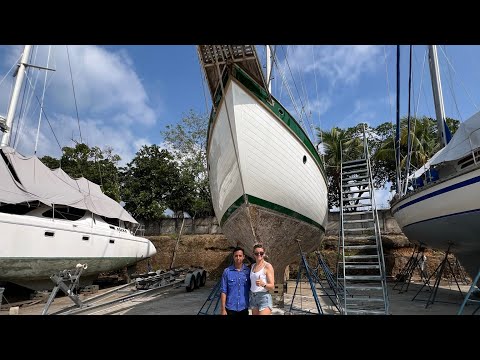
(361, 265)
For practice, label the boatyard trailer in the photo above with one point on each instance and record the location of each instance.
(193, 278)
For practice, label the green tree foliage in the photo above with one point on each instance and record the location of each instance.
(188, 143)
(347, 144)
(150, 183)
(96, 165)
(338, 144)
(424, 144)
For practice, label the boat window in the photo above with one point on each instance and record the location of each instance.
(18, 209)
(304, 159)
(67, 213)
(85, 237)
(112, 241)
(49, 233)
(111, 221)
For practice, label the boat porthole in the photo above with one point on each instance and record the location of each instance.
(304, 159)
(280, 111)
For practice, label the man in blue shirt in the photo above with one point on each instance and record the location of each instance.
(235, 286)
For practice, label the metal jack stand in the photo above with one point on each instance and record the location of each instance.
(438, 276)
(467, 299)
(60, 279)
(213, 299)
(304, 266)
(417, 260)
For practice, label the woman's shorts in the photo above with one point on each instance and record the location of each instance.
(260, 300)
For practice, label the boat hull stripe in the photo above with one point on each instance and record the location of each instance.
(439, 192)
(268, 205)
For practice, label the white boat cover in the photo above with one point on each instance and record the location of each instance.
(465, 139)
(38, 182)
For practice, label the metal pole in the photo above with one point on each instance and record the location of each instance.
(16, 93)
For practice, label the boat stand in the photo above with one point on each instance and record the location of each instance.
(438, 273)
(313, 278)
(416, 261)
(213, 299)
(467, 297)
(66, 276)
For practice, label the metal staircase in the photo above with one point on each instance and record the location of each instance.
(361, 266)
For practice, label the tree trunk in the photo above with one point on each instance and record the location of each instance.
(176, 244)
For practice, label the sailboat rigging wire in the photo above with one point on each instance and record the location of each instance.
(46, 117)
(296, 88)
(8, 72)
(318, 100)
(407, 165)
(416, 107)
(397, 132)
(452, 91)
(203, 86)
(285, 83)
(307, 100)
(74, 97)
(461, 82)
(389, 99)
(41, 103)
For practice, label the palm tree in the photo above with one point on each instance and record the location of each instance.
(338, 144)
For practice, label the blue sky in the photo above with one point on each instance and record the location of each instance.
(127, 94)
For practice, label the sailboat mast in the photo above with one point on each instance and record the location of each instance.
(437, 93)
(269, 68)
(16, 93)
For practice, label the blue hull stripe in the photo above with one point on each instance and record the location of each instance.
(443, 216)
(439, 192)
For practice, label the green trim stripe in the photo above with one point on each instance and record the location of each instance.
(268, 205)
(277, 109)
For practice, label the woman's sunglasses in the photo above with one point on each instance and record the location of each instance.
(259, 253)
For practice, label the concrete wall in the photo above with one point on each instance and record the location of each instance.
(210, 225)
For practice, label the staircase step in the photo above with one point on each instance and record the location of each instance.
(363, 277)
(353, 198)
(358, 221)
(361, 257)
(354, 166)
(360, 247)
(360, 229)
(356, 178)
(365, 312)
(363, 298)
(357, 184)
(355, 191)
(374, 266)
(363, 287)
(355, 172)
(358, 212)
(356, 161)
(355, 206)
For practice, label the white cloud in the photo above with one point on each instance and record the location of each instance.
(111, 99)
(338, 64)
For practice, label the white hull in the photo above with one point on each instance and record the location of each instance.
(29, 254)
(276, 171)
(443, 213)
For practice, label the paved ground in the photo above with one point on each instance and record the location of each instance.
(176, 301)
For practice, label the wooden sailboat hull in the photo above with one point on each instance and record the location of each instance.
(30, 254)
(266, 180)
(445, 212)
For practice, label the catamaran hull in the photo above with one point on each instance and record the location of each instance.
(265, 183)
(443, 214)
(30, 254)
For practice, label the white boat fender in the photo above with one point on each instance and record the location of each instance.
(82, 265)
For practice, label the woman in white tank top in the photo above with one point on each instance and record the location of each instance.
(261, 276)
